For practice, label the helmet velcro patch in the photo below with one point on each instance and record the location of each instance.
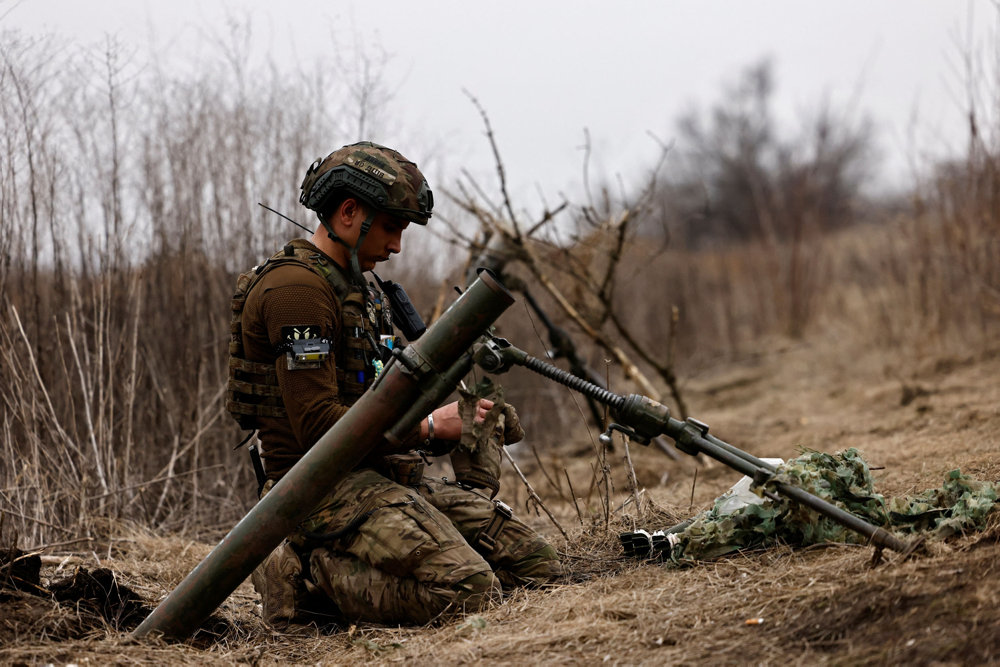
(371, 165)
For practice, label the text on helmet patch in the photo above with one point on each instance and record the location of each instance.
(368, 165)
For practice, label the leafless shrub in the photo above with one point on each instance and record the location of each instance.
(741, 179)
(127, 198)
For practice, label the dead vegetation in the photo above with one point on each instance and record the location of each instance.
(818, 605)
(116, 470)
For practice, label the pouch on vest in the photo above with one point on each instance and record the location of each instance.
(405, 469)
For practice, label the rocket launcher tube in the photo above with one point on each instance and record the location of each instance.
(338, 451)
(434, 391)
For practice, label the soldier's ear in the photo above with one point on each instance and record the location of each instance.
(351, 212)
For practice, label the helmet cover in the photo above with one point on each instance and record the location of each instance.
(377, 175)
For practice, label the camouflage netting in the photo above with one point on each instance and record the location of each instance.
(960, 506)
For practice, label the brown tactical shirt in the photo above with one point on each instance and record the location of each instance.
(287, 296)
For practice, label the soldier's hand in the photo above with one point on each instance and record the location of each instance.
(448, 423)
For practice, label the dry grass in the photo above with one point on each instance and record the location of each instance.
(818, 605)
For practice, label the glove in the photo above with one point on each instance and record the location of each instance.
(476, 459)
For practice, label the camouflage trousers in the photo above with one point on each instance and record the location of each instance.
(377, 551)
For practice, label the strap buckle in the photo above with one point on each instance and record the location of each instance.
(487, 538)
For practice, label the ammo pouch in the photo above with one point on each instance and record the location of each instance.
(354, 369)
(405, 469)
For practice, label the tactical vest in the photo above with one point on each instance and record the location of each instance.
(253, 391)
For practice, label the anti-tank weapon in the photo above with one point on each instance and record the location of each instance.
(641, 419)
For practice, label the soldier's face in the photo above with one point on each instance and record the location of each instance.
(384, 239)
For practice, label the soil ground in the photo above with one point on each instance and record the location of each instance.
(913, 420)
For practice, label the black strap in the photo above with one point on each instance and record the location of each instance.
(487, 538)
(258, 468)
(245, 440)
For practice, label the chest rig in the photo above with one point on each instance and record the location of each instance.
(364, 333)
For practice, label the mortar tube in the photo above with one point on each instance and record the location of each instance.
(328, 461)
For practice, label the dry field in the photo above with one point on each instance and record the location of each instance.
(124, 226)
(914, 419)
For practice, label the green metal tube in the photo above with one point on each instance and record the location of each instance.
(432, 396)
(336, 453)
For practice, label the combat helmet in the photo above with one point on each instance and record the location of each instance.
(379, 176)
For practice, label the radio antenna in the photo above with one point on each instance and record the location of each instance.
(278, 213)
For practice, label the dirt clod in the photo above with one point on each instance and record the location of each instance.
(20, 571)
(100, 592)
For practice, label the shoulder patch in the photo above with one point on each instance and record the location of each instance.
(303, 347)
(299, 332)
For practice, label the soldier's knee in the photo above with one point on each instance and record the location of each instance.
(535, 569)
(477, 592)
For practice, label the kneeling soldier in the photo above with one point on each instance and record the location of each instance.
(309, 337)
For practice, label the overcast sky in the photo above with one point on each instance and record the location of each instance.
(549, 69)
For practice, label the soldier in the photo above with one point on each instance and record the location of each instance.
(386, 545)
